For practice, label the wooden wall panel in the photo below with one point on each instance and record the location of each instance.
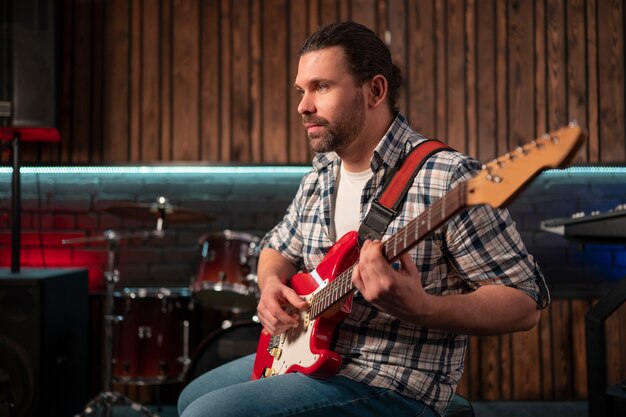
(419, 70)
(561, 349)
(455, 71)
(592, 85)
(616, 354)
(576, 71)
(395, 38)
(556, 67)
(149, 149)
(470, 105)
(241, 116)
(185, 70)
(275, 148)
(136, 77)
(520, 73)
(211, 80)
(96, 137)
(441, 65)
(547, 355)
(165, 82)
(485, 102)
(223, 57)
(116, 83)
(67, 85)
(256, 30)
(364, 12)
(611, 74)
(298, 141)
(547, 363)
(81, 115)
(579, 309)
(501, 79)
(541, 67)
(328, 12)
(210, 83)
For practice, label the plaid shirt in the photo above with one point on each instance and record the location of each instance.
(477, 246)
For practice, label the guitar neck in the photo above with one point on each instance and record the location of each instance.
(407, 237)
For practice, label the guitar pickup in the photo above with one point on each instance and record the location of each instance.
(276, 352)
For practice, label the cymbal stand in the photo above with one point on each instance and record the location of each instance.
(107, 398)
(162, 206)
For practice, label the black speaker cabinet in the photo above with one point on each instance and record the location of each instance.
(43, 341)
(29, 64)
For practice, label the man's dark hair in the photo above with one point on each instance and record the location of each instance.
(366, 53)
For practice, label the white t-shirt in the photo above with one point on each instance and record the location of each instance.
(347, 208)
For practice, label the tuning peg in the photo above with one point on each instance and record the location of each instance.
(494, 178)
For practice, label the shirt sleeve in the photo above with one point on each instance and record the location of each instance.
(484, 246)
(286, 237)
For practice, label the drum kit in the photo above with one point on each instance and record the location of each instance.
(147, 330)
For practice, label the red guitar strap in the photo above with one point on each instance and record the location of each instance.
(387, 206)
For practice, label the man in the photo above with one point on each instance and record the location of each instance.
(403, 344)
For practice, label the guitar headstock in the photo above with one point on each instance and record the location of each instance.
(501, 179)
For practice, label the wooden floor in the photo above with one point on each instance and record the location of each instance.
(481, 409)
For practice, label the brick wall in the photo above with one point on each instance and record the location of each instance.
(73, 206)
(66, 206)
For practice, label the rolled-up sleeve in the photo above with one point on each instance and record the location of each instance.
(485, 248)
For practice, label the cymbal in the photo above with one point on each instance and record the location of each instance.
(171, 214)
(111, 235)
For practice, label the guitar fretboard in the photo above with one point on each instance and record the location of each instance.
(407, 237)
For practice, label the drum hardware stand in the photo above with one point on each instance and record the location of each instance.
(107, 398)
(6, 403)
(185, 360)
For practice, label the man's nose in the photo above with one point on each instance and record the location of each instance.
(306, 105)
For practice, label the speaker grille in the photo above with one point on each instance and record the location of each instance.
(15, 362)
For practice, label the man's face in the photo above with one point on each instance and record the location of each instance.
(332, 104)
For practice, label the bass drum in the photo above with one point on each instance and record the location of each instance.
(232, 341)
(151, 339)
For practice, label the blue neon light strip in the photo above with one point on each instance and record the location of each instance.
(257, 169)
(299, 170)
(147, 170)
(609, 170)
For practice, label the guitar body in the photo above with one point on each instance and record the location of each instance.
(306, 348)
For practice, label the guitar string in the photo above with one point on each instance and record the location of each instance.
(342, 284)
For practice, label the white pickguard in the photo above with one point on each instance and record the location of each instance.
(295, 344)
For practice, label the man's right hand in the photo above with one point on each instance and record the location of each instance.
(278, 306)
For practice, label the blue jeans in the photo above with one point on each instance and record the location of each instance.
(228, 391)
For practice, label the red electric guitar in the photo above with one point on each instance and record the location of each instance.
(328, 289)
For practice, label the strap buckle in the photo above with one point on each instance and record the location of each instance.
(376, 220)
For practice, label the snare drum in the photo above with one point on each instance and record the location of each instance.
(232, 341)
(151, 340)
(226, 277)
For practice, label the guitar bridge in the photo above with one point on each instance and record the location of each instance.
(273, 343)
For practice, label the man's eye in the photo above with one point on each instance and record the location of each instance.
(322, 87)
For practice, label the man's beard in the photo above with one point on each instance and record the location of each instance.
(343, 131)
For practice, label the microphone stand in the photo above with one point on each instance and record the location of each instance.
(16, 197)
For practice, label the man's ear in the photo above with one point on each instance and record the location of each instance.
(377, 92)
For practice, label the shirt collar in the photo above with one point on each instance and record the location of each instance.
(389, 150)
(394, 145)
